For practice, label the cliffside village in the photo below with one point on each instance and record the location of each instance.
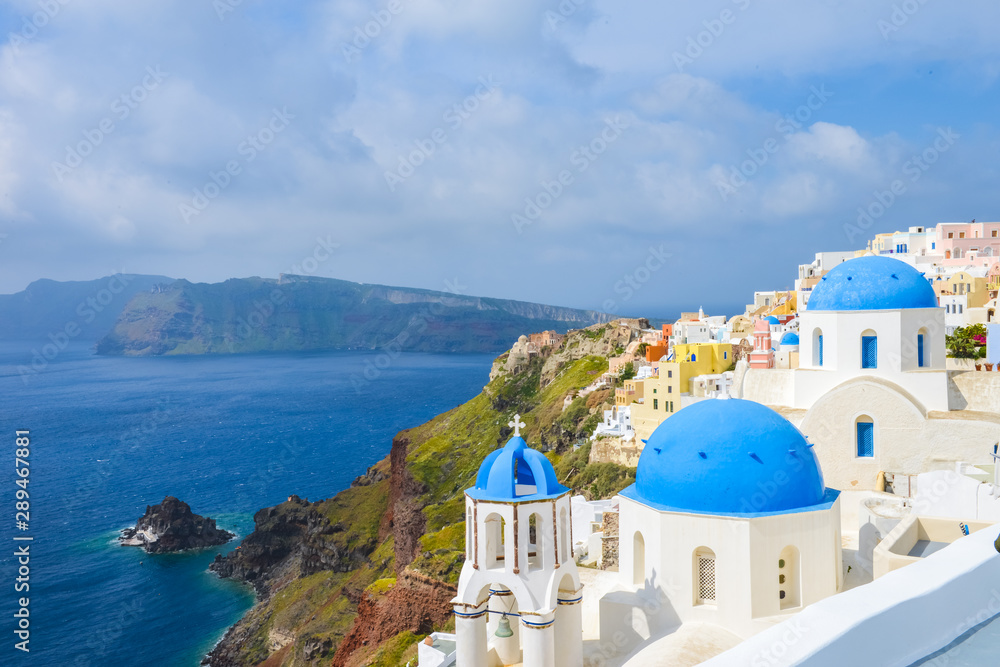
(817, 461)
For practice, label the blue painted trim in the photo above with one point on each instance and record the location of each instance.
(485, 496)
(829, 499)
(569, 601)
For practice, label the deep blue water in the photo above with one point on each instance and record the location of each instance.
(228, 435)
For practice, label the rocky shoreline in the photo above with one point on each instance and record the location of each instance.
(361, 577)
(171, 526)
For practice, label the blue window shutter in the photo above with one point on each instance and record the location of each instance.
(866, 439)
(920, 350)
(821, 349)
(869, 352)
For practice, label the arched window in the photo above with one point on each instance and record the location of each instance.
(923, 353)
(693, 357)
(865, 429)
(496, 541)
(536, 540)
(789, 582)
(869, 349)
(704, 576)
(638, 559)
(817, 347)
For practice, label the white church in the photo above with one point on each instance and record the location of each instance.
(730, 528)
(729, 523)
(519, 593)
(873, 390)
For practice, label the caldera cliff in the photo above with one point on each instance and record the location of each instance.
(360, 578)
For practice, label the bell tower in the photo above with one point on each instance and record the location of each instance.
(519, 593)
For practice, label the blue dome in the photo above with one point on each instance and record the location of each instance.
(730, 457)
(516, 472)
(872, 283)
(771, 319)
(790, 338)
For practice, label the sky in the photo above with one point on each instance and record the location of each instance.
(639, 158)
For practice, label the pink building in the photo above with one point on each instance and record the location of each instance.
(968, 243)
(762, 355)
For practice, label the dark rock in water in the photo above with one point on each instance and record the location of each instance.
(171, 526)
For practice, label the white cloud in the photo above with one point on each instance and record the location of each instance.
(325, 174)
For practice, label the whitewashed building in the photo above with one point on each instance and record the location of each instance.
(871, 389)
(729, 523)
(519, 592)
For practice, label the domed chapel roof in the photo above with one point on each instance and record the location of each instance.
(872, 283)
(729, 457)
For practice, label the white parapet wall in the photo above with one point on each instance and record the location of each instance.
(902, 617)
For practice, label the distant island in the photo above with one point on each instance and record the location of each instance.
(296, 313)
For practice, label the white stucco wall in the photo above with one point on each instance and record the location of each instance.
(897, 332)
(947, 493)
(892, 622)
(974, 390)
(769, 386)
(906, 440)
(747, 551)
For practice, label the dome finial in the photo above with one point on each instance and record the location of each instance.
(517, 424)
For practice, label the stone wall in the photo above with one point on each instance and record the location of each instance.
(616, 450)
(609, 527)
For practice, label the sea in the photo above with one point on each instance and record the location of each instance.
(228, 435)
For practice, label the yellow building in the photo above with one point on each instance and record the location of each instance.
(630, 392)
(977, 289)
(882, 243)
(662, 393)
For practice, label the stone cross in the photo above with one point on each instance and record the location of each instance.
(516, 425)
